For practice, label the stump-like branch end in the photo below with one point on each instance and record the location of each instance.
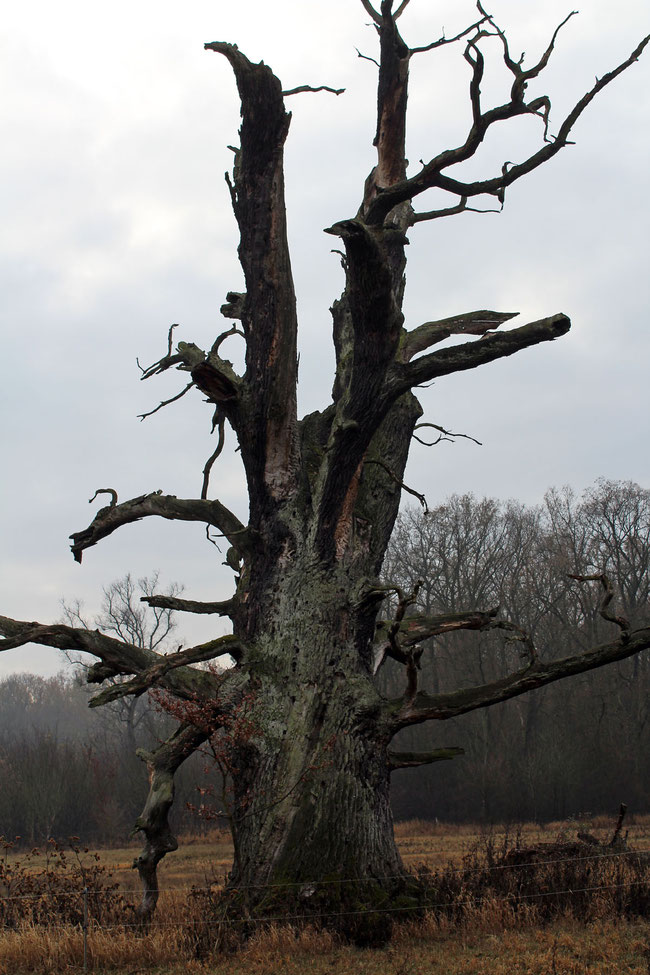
(400, 759)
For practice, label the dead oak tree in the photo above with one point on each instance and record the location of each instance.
(311, 790)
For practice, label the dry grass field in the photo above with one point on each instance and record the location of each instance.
(490, 937)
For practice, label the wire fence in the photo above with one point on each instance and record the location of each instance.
(87, 897)
(375, 878)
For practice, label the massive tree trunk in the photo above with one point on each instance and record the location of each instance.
(303, 728)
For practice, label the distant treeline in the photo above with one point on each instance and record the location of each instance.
(581, 745)
(68, 771)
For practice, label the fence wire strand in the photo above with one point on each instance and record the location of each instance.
(148, 926)
(138, 891)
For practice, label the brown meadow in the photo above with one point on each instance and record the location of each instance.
(479, 922)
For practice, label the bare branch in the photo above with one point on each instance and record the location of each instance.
(460, 207)
(302, 88)
(415, 629)
(367, 57)
(431, 333)
(117, 657)
(163, 666)
(162, 763)
(169, 337)
(224, 335)
(440, 707)
(166, 402)
(111, 491)
(221, 421)
(221, 608)
(370, 10)
(416, 494)
(395, 643)
(415, 759)
(165, 362)
(404, 601)
(522, 77)
(108, 519)
(432, 173)
(608, 595)
(521, 636)
(448, 40)
(214, 376)
(444, 435)
(451, 211)
(469, 355)
(400, 10)
(412, 667)
(475, 59)
(550, 149)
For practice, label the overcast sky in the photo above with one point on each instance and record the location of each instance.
(116, 222)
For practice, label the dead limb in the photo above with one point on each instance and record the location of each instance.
(608, 595)
(400, 638)
(306, 88)
(432, 333)
(220, 339)
(440, 707)
(116, 657)
(470, 355)
(222, 608)
(220, 421)
(111, 491)
(443, 435)
(166, 402)
(394, 650)
(162, 764)
(433, 173)
(368, 7)
(416, 759)
(420, 627)
(108, 519)
(442, 40)
(155, 674)
(519, 635)
(416, 494)
(460, 207)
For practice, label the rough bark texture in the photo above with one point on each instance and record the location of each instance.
(304, 730)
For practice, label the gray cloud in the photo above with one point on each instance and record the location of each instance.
(117, 223)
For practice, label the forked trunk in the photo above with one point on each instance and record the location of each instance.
(304, 732)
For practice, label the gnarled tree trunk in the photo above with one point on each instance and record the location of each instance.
(305, 730)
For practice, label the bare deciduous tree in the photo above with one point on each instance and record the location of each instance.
(149, 627)
(311, 796)
(544, 753)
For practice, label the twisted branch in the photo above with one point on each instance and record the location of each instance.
(116, 656)
(439, 707)
(608, 595)
(155, 674)
(112, 517)
(303, 88)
